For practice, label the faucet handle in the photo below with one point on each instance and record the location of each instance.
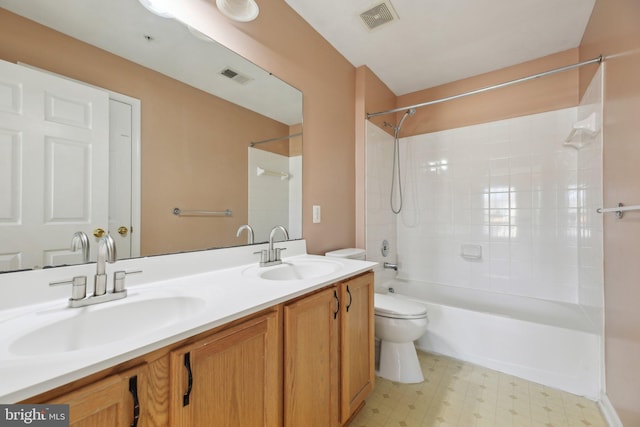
(264, 255)
(278, 253)
(78, 287)
(118, 279)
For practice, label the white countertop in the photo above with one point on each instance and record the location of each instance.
(223, 294)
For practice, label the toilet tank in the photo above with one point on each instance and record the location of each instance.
(351, 253)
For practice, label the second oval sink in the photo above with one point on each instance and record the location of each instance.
(297, 270)
(100, 324)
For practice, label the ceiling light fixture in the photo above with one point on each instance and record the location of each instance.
(239, 10)
(157, 7)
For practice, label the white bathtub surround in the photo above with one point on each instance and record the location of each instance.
(590, 238)
(548, 342)
(221, 282)
(380, 221)
(508, 186)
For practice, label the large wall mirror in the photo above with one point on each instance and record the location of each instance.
(199, 141)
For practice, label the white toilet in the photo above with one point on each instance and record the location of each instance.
(398, 323)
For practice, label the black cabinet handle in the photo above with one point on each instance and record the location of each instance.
(335, 313)
(350, 298)
(187, 364)
(133, 388)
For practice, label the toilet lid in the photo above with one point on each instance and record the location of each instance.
(398, 307)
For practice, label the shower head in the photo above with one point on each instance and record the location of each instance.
(409, 112)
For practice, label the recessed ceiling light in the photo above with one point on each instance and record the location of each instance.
(239, 10)
(157, 7)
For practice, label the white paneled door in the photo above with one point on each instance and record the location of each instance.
(120, 173)
(54, 166)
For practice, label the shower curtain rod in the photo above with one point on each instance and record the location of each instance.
(488, 88)
(279, 138)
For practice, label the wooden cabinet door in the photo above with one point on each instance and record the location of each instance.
(357, 343)
(229, 379)
(311, 360)
(118, 400)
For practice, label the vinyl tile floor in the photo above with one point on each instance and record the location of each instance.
(460, 394)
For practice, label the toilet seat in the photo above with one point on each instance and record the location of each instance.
(397, 307)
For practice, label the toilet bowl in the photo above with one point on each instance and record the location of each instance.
(398, 323)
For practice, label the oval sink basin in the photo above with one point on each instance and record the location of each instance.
(101, 324)
(298, 270)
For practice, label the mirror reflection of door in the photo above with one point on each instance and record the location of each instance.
(54, 158)
(120, 176)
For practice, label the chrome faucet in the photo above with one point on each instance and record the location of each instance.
(249, 233)
(106, 253)
(81, 241)
(271, 256)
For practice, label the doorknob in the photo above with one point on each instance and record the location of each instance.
(98, 232)
(123, 230)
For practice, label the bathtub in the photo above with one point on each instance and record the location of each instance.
(551, 343)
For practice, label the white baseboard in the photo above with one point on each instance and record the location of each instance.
(610, 414)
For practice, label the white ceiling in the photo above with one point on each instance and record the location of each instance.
(438, 41)
(120, 26)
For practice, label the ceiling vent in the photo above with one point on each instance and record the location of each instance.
(235, 76)
(378, 15)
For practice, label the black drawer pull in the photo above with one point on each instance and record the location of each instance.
(350, 298)
(133, 388)
(187, 364)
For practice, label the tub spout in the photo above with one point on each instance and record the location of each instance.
(390, 266)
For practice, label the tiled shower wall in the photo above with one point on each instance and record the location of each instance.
(507, 189)
(501, 206)
(590, 252)
(380, 221)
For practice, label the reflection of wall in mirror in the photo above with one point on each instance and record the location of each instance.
(194, 151)
(273, 199)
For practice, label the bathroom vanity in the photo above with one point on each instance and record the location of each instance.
(247, 346)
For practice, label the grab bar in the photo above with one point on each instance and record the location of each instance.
(619, 210)
(180, 212)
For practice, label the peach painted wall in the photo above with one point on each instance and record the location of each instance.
(194, 145)
(282, 42)
(614, 31)
(544, 94)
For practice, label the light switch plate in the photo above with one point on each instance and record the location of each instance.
(317, 214)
